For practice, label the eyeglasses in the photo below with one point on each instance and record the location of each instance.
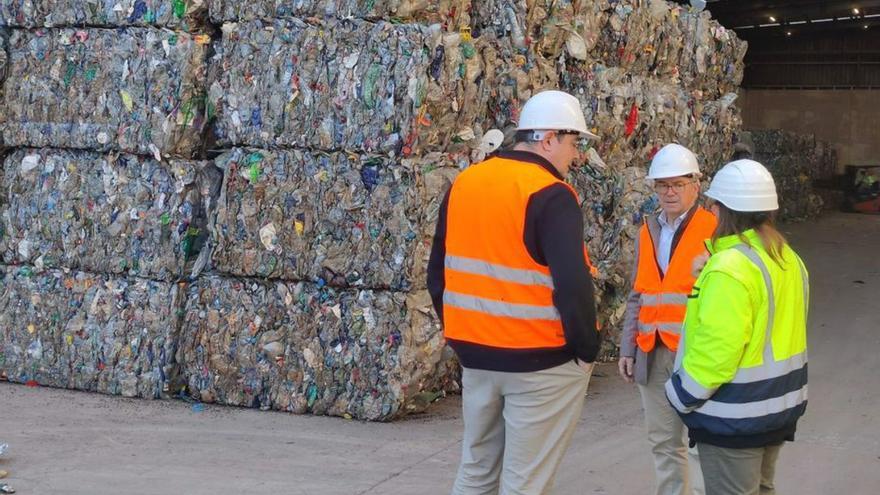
(677, 187)
(581, 143)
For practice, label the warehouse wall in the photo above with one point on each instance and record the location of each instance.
(848, 119)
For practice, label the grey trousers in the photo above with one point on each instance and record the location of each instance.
(739, 471)
(676, 469)
(517, 426)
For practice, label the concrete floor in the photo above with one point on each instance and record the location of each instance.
(76, 443)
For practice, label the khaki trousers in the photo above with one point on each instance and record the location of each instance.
(517, 426)
(666, 432)
(739, 471)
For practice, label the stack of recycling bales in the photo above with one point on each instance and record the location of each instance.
(103, 204)
(288, 271)
(796, 162)
(647, 73)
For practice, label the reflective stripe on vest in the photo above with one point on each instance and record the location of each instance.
(759, 398)
(495, 293)
(498, 272)
(663, 299)
(498, 308)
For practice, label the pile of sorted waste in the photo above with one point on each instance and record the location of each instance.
(796, 161)
(234, 201)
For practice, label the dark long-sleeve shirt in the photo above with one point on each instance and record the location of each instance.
(553, 237)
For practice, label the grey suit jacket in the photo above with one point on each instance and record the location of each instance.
(628, 347)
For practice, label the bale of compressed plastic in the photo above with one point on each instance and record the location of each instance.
(105, 213)
(402, 90)
(137, 90)
(89, 332)
(305, 348)
(635, 116)
(330, 218)
(4, 60)
(344, 85)
(178, 14)
(549, 27)
(653, 37)
(451, 12)
(796, 161)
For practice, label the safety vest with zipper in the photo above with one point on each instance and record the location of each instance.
(742, 368)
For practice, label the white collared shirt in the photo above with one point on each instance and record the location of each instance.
(667, 233)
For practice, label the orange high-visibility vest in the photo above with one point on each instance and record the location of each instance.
(495, 293)
(664, 297)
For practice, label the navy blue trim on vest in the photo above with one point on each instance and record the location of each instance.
(687, 399)
(760, 440)
(736, 393)
(745, 426)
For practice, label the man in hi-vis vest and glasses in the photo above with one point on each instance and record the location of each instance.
(510, 278)
(668, 245)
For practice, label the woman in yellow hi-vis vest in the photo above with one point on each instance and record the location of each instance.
(740, 380)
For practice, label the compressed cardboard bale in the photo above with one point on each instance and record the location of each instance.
(137, 90)
(178, 14)
(452, 12)
(89, 332)
(302, 348)
(106, 213)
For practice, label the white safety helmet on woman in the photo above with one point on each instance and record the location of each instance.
(744, 185)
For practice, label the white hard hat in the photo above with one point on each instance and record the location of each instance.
(553, 111)
(744, 185)
(673, 160)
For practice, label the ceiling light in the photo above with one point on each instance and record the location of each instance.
(865, 26)
(856, 11)
(788, 33)
(772, 19)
